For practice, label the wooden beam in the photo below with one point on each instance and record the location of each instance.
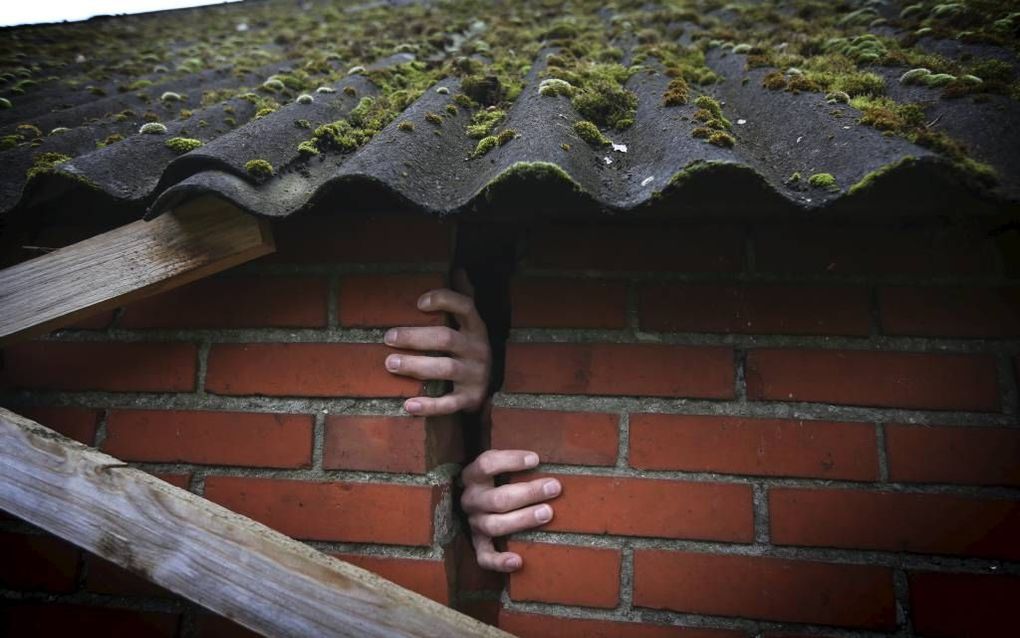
(217, 558)
(202, 237)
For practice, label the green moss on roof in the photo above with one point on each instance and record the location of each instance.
(181, 145)
(260, 169)
(590, 133)
(824, 180)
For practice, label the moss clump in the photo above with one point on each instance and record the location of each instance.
(45, 163)
(677, 92)
(339, 135)
(434, 118)
(29, 131)
(442, 90)
(605, 102)
(274, 86)
(774, 81)
(304, 98)
(722, 138)
(5, 103)
(710, 113)
(407, 126)
(307, 148)
(482, 122)
(868, 180)
(181, 145)
(451, 110)
(325, 90)
(170, 96)
(837, 97)
(824, 180)
(590, 133)
(914, 76)
(553, 87)
(260, 169)
(112, 138)
(153, 128)
(350, 91)
(485, 145)
(305, 124)
(855, 84)
(462, 100)
(886, 115)
(505, 136)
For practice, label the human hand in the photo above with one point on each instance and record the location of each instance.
(497, 511)
(470, 360)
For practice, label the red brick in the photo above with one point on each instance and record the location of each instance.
(970, 605)
(885, 379)
(390, 444)
(539, 626)
(842, 250)
(950, 312)
(569, 575)
(626, 369)
(353, 239)
(58, 619)
(210, 438)
(177, 480)
(896, 522)
(234, 302)
(97, 321)
(968, 455)
(306, 369)
(762, 447)
(116, 367)
(651, 507)
(77, 423)
(34, 562)
(387, 300)
(104, 577)
(675, 248)
(755, 309)
(579, 438)
(568, 303)
(427, 577)
(335, 511)
(212, 626)
(765, 588)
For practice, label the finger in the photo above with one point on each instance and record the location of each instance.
(494, 525)
(513, 496)
(439, 338)
(462, 283)
(460, 306)
(426, 367)
(493, 462)
(436, 406)
(489, 558)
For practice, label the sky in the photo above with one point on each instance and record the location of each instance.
(31, 11)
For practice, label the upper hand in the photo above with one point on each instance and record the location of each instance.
(468, 364)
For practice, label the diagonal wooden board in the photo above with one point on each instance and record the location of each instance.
(139, 259)
(217, 558)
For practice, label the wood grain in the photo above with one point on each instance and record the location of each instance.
(139, 259)
(230, 564)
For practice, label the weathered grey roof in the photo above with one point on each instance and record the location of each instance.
(239, 69)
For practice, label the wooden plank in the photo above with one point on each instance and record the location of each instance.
(217, 558)
(139, 259)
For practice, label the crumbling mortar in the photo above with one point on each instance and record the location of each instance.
(412, 552)
(214, 336)
(101, 429)
(902, 591)
(623, 451)
(202, 369)
(760, 500)
(883, 459)
(318, 439)
(753, 409)
(212, 402)
(910, 562)
(656, 276)
(1008, 385)
(824, 342)
(740, 374)
(626, 579)
(978, 491)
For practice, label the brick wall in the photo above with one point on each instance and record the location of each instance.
(765, 431)
(262, 389)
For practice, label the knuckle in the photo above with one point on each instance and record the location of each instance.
(491, 526)
(446, 338)
(500, 501)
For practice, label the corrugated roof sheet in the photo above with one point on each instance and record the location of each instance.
(802, 92)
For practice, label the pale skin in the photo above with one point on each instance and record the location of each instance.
(492, 511)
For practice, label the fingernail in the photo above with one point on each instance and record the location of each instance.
(391, 337)
(424, 302)
(413, 406)
(393, 363)
(530, 460)
(551, 488)
(543, 514)
(512, 563)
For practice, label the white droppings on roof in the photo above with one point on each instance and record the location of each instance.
(619, 148)
(646, 181)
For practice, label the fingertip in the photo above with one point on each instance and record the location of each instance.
(414, 406)
(531, 459)
(391, 337)
(512, 563)
(425, 301)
